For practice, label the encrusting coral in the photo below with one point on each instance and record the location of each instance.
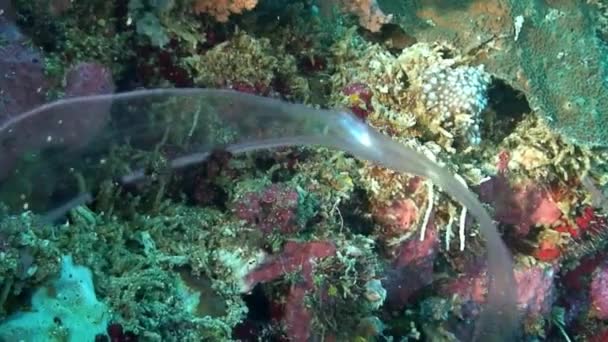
(222, 9)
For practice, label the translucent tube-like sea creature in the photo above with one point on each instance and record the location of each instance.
(75, 136)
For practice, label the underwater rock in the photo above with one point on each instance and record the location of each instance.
(275, 207)
(562, 56)
(23, 83)
(411, 269)
(534, 284)
(599, 292)
(399, 217)
(89, 79)
(553, 51)
(521, 205)
(25, 86)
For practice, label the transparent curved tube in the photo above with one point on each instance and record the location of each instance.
(499, 319)
(63, 145)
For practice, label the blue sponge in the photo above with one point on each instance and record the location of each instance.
(65, 310)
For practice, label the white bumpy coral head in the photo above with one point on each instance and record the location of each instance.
(456, 97)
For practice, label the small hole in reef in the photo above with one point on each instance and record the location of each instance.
(259, 307)
(446, 53)
(353, 213)
(257, 324)
(101, 338)
(506, 108)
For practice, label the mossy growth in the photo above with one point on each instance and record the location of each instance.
(340, 304)
(160, 22)
(29, 257)
(160, 269)
(248, 64)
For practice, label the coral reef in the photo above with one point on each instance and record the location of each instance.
(422, 91)
(573, 106)
(298, 244)
(251, 65)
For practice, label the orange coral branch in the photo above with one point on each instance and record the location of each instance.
(222, 9)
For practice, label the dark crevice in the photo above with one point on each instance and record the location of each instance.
(353, 213)
(506, 108)
(259, 317)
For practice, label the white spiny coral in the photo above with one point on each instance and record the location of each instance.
(457, 97)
